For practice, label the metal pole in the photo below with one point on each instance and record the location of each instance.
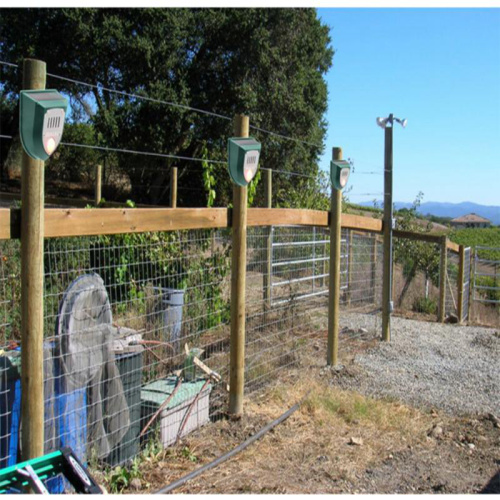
(98, 184)
(388, 219)
(173, 187)
(32, 230)
(442, 279)
(334, 284)
(238, 280)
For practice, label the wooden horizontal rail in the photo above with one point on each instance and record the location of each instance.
(362, 223)
(10, 223)
(286, 217)
(429, 238)
(63, 222)
(87, 222)
(454, 247)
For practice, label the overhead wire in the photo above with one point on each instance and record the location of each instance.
(145, 153)
(168, 103)
(166, 155)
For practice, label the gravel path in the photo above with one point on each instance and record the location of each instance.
(455, 368)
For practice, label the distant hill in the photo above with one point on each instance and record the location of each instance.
(450, 209)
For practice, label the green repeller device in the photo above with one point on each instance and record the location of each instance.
(32, 473)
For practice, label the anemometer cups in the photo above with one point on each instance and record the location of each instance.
(243, 158)
(339, 173)
(41, 119)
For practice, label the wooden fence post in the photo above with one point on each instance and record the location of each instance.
(268, 193)
(334, 283)
(32, 231)
(173, 187)
(460, 284)
(238, 282)
(98, 184)
(442, 279)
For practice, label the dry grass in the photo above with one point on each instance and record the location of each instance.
(310, 452)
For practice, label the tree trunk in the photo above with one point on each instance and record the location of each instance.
(409, 279)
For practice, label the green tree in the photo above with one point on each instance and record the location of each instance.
(267, 63)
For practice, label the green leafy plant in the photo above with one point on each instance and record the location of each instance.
(424, 305)
(208, 177)
(187, 453)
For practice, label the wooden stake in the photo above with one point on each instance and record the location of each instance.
(173, 187)
(238, 281)
(268, 190)
(32, 201)
(334, 285)
(442, 279)
(98, 184)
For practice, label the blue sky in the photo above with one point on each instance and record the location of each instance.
(440, 68)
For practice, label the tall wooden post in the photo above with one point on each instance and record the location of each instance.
(334, 284)
(373, 274)
(32, 229)
(460, 284)
(98, 184)
(268, 194)
(173, 187)
(387, 228)
(238, 282)
(442, 279)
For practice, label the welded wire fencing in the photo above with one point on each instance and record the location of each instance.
(287, 296)
(416, 276)
(466, 287)
(137, 328)
(485, 283)
(487, 275)
(452, 284)
(119, 314)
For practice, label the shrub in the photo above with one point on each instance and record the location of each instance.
(424, 305)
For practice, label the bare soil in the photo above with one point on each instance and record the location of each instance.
(339, 441)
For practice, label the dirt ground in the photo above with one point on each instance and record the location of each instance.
(337, 442)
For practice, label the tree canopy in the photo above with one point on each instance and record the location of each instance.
(267, 63)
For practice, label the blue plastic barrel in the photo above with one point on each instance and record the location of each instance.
(69, 417)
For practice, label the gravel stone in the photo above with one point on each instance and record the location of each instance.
(451, 367)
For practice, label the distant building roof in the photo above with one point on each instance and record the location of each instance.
(470, 218)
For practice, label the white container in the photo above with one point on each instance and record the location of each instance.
(171, 418)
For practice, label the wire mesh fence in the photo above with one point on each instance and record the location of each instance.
(119, 312)
(124, 314)
(287, 296)
(485, 293)
(451, 298)
(416, 276)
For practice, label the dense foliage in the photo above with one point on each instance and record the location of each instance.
(473, 237)
(267, 63)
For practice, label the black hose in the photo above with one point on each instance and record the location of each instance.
(234, 451)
